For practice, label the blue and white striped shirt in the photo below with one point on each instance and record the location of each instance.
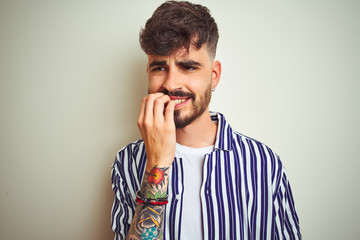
(245, 193)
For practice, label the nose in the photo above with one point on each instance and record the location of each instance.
(172, 80)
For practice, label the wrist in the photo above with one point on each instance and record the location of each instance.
(158, 162)
(154, 185)
(152, 200)
(155, 178)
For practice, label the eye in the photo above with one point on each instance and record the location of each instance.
(158, 69)
(189, 68)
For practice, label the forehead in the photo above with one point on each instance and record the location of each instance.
(200, 55)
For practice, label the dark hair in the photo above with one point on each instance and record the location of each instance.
(175, 25)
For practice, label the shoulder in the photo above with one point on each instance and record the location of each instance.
(258, 157)
(132, 147)
(134, 151)
(260, 160)
(240, 138)
(256, 149)
(129, 165)
(230, 139)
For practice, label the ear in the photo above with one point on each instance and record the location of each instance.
(215, 73)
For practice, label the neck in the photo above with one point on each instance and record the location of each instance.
(199, 133)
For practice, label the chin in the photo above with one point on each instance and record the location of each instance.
(183, 121)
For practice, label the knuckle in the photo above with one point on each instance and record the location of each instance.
(151, 97)
(144, 100)
(158, 101)
(146, 124)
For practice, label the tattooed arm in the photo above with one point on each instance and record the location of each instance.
(157, 127)
(148, 222)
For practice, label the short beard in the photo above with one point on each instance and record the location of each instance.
(197, 110)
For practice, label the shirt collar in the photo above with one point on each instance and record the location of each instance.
(224, 136)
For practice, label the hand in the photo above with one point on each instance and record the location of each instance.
(157, 127)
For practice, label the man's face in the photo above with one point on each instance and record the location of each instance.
(187, 77)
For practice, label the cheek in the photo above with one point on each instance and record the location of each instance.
(154, 84)
(200, 82)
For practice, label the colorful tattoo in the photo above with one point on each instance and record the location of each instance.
(148, 220)
(151, 217)
(157, 176)
(154, 184)
(157, 195)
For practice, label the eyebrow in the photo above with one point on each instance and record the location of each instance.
(188, 63)
(157, 63)
(179, 63)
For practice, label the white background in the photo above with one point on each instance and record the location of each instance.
(72, 76)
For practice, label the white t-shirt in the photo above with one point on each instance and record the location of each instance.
(192, 159)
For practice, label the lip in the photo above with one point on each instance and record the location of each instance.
(182, 103)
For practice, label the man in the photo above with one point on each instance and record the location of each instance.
(192, 176)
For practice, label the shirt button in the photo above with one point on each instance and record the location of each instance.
(177, 196)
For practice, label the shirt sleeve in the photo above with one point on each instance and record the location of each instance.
(122, 210)
(286, 219)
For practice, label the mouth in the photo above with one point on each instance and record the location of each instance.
(179, 101)
(179, 97)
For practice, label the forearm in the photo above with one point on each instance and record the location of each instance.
(148, 221)
(157, 127)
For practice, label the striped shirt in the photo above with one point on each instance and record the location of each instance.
(245, 193)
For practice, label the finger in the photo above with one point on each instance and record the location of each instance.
(159, 106)
(149, 105)
(169, 112)
(142, 111)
